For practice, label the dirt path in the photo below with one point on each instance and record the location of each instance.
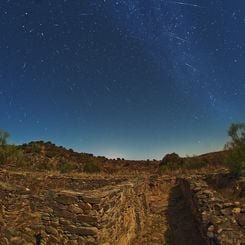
(170, 221)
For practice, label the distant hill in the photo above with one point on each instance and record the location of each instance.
(42, 155)
(46, 156)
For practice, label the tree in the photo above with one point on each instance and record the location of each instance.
(3, 137)
(237, 133)
(236, 157)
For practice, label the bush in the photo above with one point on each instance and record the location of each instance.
(32, 148)
(64, 167)
(91, 167)
(44, 165)
(236, 156)
(172, 161)
(9, 154)
(236, 161)
(51, 154)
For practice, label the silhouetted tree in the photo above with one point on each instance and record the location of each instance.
(3, 137)
(236, 157)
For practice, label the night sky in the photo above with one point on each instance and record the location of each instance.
(122, 78)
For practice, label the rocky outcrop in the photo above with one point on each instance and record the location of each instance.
(219, 220)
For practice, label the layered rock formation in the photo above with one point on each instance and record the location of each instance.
(32, 214)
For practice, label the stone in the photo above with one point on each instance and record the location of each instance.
(226, 212)
(236, 210)
(16, 241)
(237, 204)
(65, 199)
(53, 240)
(219, 230)
(240, 219)
(65, 214)
(51, 230)
(73, 208)
(92, 199)
(85, 206)
(64, 221)
(72, 242)
(87, 219)
(210, 234)
(86, 231)
(4, 241)
(228, 204)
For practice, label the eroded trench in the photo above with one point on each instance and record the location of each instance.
(170, 220)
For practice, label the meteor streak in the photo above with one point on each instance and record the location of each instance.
(186, 4)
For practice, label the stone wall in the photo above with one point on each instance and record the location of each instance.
(220, 221)
(32, 213)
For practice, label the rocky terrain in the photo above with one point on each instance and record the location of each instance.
(58, 196)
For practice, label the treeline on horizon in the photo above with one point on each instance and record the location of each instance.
(48, 157)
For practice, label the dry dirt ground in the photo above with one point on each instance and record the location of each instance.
(170, 221)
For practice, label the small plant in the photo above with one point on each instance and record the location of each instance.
(33, 148)
(64, 167)
(3, 137)
(236, 147)
(91, 166)
(172, 161)
(43, 165)
(9, 154)
(51, 154)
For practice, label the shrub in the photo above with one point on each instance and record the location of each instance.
(236, 161)
(44, 165)
(51, 154)
(91, 167)
(9, 154)
(3, 137)
(33, 148)
(236, 156)
(64, 167)
(172, 161)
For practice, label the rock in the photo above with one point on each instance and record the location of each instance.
(92, 199)
(240, 218)
(228, 204)
(51, 230)
(16, 241)
(53, 240)
(4, 241)
(226, 212)
(87, 219)
(86, 231)
(237, 204)
(236, 210)
(72, 242)
(73, 208)
(211, 228)
(210, 234)
(85, 206)
(65, 199)
(64, 221)
(219, 230)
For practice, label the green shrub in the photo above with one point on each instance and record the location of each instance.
(64, 167)
(44, 165)
(171, 161)
(236, 161)
(236, 156)
(51, 154)
(32, 148)
(91, 167)
(9, 154)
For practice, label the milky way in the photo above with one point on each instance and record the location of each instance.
(126, 78)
